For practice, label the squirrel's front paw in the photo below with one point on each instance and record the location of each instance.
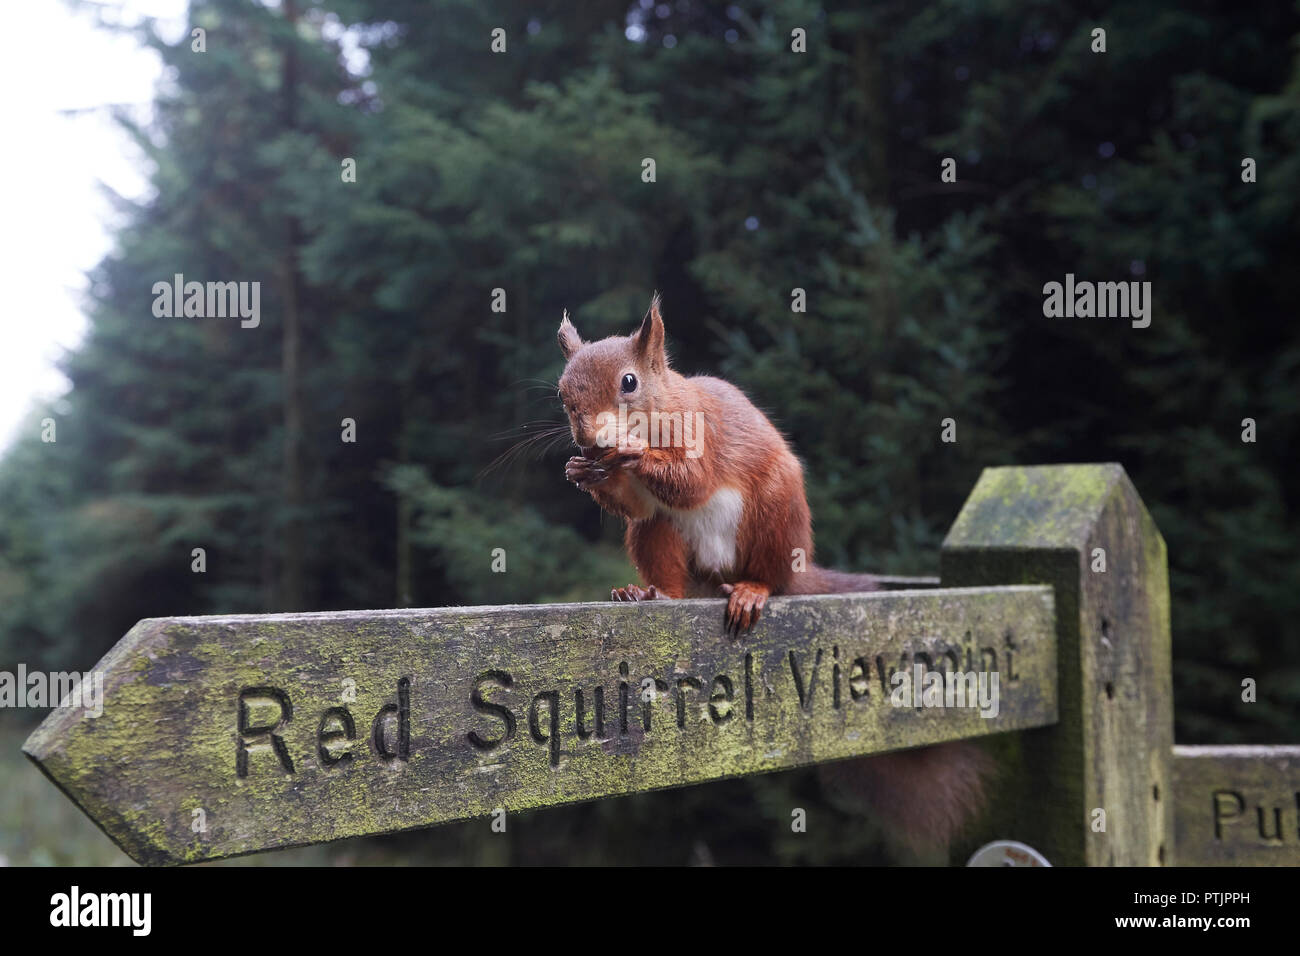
(634, 593)
(627, 454)
(745, 601)
(584, 472)
(612, 458)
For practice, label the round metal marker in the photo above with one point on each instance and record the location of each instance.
(1007, 853)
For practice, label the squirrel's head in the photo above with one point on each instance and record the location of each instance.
(628, 370)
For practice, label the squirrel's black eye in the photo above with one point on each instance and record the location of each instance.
(629, 383)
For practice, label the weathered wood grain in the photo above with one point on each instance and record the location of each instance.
(271, 731)
(1094, 788)
(1237, 806)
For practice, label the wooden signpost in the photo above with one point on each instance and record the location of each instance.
(1093, 789)
(1237, 806)
(222, 736)
(279, 730)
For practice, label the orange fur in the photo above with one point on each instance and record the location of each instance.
(741, 450)
(661, 491)
(927, 795)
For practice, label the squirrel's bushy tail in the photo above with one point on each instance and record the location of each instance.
(923, 798)
(819, 580)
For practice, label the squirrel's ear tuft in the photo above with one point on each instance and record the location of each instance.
(568, 337)
(650, 338)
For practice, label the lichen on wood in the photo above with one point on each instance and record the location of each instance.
(1082, 792)
(1237, 806)
(229, 735)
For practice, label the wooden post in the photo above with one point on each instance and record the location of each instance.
(1095, 789)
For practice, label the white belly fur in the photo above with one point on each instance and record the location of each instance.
(709, 531)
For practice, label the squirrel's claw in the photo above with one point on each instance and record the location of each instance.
(745, 602)
(613, 458)
(625, 455)
(635, 593)
(584, 472)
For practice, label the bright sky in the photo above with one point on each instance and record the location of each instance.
(64, 150)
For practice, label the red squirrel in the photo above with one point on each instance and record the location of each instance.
(719, 508)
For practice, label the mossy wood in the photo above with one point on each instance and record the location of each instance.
(1094, 789)
(229, 735)
(1237, 806)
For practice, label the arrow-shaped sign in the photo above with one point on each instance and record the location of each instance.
(228, 735)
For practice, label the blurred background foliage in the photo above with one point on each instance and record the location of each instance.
(774, 171)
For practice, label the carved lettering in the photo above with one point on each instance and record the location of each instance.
(502, 679)
(720, 699)
(805, 692)
(262, 712)
(580, 722)
(552, 735)
(1271, 821)
(1220, 799)
(265, 713)
(402, 712)
(336, 727)
(682, 684)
